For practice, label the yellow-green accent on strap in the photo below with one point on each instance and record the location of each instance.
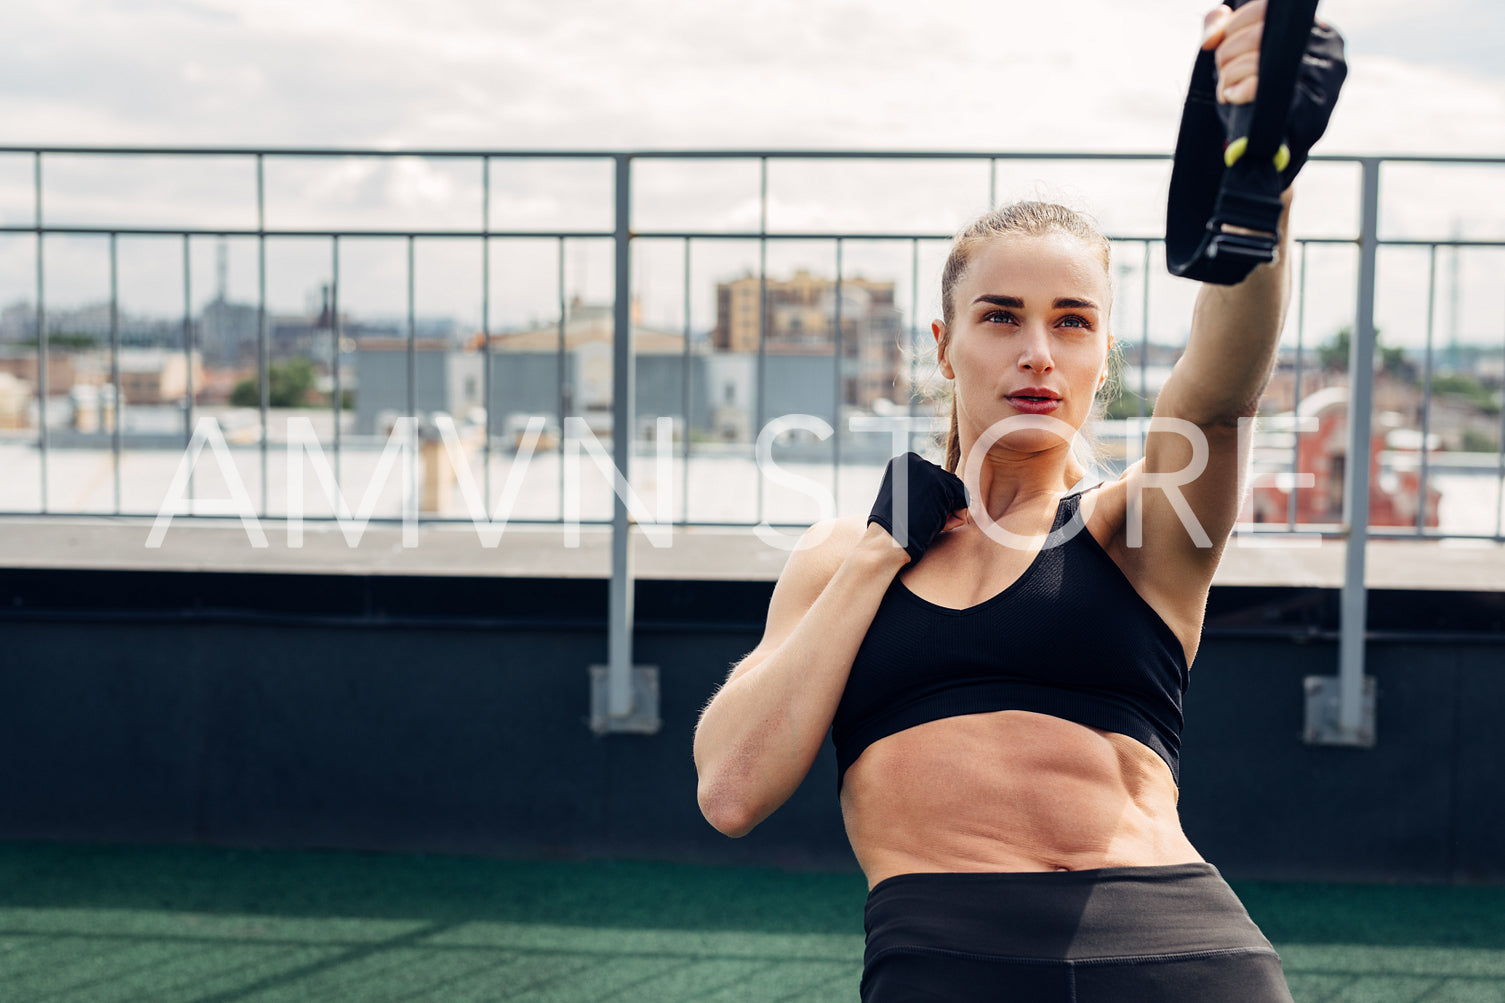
(1236, 149)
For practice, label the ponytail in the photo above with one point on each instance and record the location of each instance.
(953, 442)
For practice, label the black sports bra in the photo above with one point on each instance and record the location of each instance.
(1071, 638)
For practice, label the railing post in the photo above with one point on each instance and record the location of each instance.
(624, 697)
(1341, 710)
(263, 325)
(43, 377)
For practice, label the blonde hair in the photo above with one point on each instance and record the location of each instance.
(1029, 219)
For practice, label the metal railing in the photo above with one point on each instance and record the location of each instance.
(1347, 726)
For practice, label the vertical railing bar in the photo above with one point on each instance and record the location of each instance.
(1426, 392)
(561, 365)
(992, 183)
(914, 334)
(838, 399)
(1354, 612)
(684, 444)
(188, 355)
(337, 333)
(412, 340)
(43, 348)
(117, 415)
(1454, 261)
(486, 322)
(1296, 390)
(1500, 472)
(619, 642)
(1144, 346)
(758, 381)
(1144, 327)
(263, 361)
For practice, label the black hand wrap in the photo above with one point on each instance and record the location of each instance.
(915, 512)
(1234, 161)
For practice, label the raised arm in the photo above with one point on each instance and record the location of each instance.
(1182, 498)
(1215, 385)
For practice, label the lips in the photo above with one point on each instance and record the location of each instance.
(1035, 400)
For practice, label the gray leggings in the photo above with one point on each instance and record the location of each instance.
(1174, 933)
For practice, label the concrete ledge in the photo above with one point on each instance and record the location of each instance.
(694, 553)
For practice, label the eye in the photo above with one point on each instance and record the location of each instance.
(999, 317)
(1076, 320)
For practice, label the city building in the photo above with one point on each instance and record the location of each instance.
(555, 370)
(21, 362)
(1321, 453)
(802, 314)
(444, 380)
(15, 402)
(159, 375)
(228, 332)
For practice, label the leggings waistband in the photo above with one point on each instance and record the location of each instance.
(1110, 935)
(1103, 912)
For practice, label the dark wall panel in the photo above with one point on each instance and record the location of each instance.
(1256, 800)
(99, 733)
(440, 739)
(1478, 811)
(452, 716)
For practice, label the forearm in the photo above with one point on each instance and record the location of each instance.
(760, 734)
(1235, 334)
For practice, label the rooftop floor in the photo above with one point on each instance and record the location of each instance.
(174, 925)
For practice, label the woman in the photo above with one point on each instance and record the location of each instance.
(1003, 679)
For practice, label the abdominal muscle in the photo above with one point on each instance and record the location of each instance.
(1010, 791)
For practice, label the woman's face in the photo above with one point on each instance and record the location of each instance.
(1029, 336)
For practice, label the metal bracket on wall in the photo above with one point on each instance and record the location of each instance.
(1324, 717)
(641, 716)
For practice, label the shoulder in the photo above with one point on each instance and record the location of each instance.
(820, 552)
(811, 565)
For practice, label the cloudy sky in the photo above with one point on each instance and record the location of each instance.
(657, 74)
(652, 73)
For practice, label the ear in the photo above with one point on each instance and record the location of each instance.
(942, 343)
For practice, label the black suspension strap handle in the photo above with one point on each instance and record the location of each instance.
(1234, 161)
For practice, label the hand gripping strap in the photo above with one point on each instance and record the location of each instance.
(1229, 161)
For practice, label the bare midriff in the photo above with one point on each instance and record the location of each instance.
(1010, 791)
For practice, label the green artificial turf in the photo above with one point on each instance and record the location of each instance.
(189, 924)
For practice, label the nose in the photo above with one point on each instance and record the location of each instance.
(1034, 350)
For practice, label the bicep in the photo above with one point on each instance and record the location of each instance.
(1184, 494)
(1195, 451)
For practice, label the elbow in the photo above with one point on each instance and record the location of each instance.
(722, 791)
(1211, 406)
(728, 814)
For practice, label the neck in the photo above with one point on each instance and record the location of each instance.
(1007, 478)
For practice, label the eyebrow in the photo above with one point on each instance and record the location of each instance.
(1015, 303)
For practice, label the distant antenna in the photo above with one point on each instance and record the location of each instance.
(222, 270)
